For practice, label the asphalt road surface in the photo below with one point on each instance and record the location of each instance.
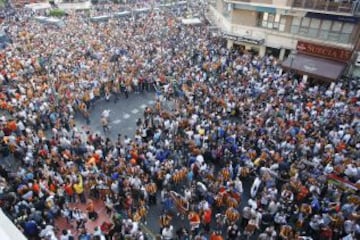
(123, 114)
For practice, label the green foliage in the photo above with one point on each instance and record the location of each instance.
(57, 13)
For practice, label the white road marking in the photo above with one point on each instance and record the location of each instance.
(143, 106)
(117, 121)
(151, 102)
(135, 111)
(126, 116)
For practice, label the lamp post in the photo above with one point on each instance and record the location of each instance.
(292, 57)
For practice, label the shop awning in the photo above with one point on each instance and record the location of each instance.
(314, 66)
(245, 39)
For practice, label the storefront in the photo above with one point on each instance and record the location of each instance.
(318, 62)
(252, 45)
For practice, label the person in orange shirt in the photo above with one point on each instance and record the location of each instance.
(12, 125)
(216, 236)
(36, 188)
(52, 186)
(69, 191)
(194, 220)
(206, 219)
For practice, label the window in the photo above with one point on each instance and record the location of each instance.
(325, 25)
(295, 24)
(265, 19)
(336, 27)
(315, 23)
(269, 20)
(296, 21)
(305, 22)
(334, 34)
(304, 27)
(282, 24)
(324, 29)
(348, 28)
(314, 27)
(277, 21)
(346, 32)
(334, 31)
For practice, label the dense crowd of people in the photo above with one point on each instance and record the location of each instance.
(247, 150)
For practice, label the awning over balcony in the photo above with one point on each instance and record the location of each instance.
(314, 66)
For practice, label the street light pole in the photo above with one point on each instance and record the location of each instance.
(292, 57)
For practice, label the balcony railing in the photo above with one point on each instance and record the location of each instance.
(340, 6)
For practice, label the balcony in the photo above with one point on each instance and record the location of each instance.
(338, 6)
(351, 7)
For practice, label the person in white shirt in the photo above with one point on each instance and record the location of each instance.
(98, 232)
(48, 233)
(66, 235)
(238, 185)
(168, 233)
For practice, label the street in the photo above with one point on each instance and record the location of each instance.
(123, 114)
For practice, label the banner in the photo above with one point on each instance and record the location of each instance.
(317, 50)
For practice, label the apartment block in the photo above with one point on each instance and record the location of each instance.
(308, 36)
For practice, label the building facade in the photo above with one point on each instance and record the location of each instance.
(291, 29)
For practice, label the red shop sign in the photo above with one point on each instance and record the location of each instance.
(337, 54)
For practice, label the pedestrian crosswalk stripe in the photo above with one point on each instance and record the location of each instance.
(135, 111)
(117, 121)
(151, 102)
(126, 116)
(143, 106)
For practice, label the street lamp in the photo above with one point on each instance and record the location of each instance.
(292, 57)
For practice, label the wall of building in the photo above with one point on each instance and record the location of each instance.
(248, 18)
(262, 1)
(282, 29)
(219, 20)
(288, 23)
(219, 6)
(278, 41)
(282, 3)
